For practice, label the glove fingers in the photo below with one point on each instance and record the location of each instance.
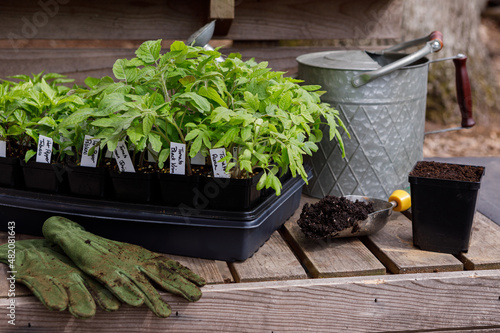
(81, 303)
(124, 289)
(185, 272)
(152, 298)
(50, 292)
(106, 300)
(175, 284)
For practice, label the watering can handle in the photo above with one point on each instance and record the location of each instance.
(434, 44)
(463, 91)
(464, 95)
(433, 36)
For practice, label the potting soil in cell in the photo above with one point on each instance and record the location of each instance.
(439, 170)
(331, 215)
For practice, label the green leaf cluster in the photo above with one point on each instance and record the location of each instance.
(35, 105)
(266, 122)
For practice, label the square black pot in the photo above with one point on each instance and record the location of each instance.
(88, 182)
(178, 190)
(47, 177)
(442, 213)
(11, 174)
(231, 194)
(133, 187)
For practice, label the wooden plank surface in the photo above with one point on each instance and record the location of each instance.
(393, 245)
(484, 246)
(75, 63)
(153, 19)
(208, 269)
(273, 261)
(330, 257)
(79, 63)
(395, 303)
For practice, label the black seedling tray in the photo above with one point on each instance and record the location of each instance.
(204, 233)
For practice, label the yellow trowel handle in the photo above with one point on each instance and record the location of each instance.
(401, 199)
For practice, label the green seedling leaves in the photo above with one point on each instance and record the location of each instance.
(187, 95)
(149, 51)
(212, 94)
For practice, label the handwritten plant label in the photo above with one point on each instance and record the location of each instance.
(219, 167)
(44, 152)
(90, 160)
(177, 158)
(198, 159)
(3, 148)
(122, 158)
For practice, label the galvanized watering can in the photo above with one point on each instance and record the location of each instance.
(381, 98)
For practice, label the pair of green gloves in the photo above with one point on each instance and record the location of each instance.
(71, 268)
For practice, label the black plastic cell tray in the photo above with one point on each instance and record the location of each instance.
(203, 233)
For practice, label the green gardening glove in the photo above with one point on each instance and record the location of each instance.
(54, 279)
(123, 268)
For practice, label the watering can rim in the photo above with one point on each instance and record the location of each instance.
(351, 60)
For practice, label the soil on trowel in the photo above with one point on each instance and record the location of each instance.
(439, 170)
(330, 215)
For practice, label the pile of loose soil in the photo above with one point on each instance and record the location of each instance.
(439, 170)
(331, 215)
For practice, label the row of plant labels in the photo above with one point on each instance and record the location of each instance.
(121, 154)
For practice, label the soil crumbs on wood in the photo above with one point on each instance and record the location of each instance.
(439, 170)
(330, 215)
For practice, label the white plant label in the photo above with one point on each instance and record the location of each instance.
(44, 153)
(122, 158)
(177, 158)
(198, 159)
(219, 167)
(90, 160)
(3, 148)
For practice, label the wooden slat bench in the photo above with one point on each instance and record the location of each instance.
(379, 283)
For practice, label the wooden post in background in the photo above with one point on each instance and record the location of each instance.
(223, 12)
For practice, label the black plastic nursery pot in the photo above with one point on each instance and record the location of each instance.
(11, 174)
(133, 187)
(230, 193)
(442, 213)
(179, 189)
(46, 177)
(87, 181)
(204, 233)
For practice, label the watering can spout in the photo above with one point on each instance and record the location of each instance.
(202, 36)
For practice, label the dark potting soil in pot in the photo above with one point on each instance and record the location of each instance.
(331, 215)
(439, 170)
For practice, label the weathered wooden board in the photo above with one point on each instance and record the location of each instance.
(394, 303)
(393, 245)
(208, 269)
(484, 246)
(273, 261)
(330, 258)
(75, 63)
(153, 19)
(79, 63)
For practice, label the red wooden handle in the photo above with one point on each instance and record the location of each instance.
(464, 95)
(437, 35)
